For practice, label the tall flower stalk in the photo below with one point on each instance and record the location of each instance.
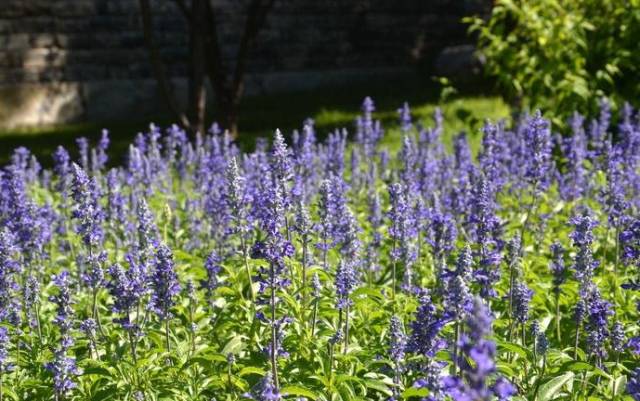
(5, 365)
(236, 201)
(559, 271)
(275, 247)
(63, 367)
(402, 230)
(537, 139)
(165, 286)
(478, 379)
(397, 344)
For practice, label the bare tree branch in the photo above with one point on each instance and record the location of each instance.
(197, 73)
(206, 60)
(256, 16)
(156, 61)
(217, 70)
(182, 5)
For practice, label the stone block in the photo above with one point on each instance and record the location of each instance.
(5, 26)
(13, 8)
(44, 58)
(16, 41)
(37, 7)
(135, 98)
(73, 25)
(33, 24)
(73, 8)
(122, 7)
(85, 72)
(39, 104)
(458, 62)
(42, 39)
(75, 41)
(99, 44)
(50, 74)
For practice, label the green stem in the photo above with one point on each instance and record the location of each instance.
(455, 347)
(193, 333)
(511, 284)
(393, 273)
(524, 345)
(132, 343)
(38, 323)
(331, 358)
(584, 385)
(558, 333)
(315, 316)
(305, 252)
(95, 314)
(614, 374)
(530, 211)
(324, 253)
(617, 256)
(246, 266)
(346, 329)
(229, 377)
(539, 381)
(274, 334)
(166, 334)
(575, 351)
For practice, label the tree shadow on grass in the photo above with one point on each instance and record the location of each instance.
(330, 107)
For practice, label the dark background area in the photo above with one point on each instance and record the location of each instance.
(67, 61)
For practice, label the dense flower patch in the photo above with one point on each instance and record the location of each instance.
(327, 270)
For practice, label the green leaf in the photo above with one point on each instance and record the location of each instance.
(325, 381)
(234, 345)
(299, 391)
(251, 370)
(204, 362)
(515, 348)
(581, 366)
(550, 389)
(370, 292)
(415, 392)
(104, 394)
(95, 368)
(9, 392)
(576, 366)
(378, 385)
(214, 357)
(619, 385)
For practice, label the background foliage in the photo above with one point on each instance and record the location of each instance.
(562, 54)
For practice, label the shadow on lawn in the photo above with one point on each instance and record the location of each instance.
(331, 108)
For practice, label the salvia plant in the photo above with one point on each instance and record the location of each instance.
(327, 269)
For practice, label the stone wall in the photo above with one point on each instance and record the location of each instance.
(70, 60)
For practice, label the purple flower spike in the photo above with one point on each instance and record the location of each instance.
(164, 282)
(477, 363)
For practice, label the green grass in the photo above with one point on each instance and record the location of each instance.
(330, 107)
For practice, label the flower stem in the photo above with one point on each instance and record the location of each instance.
(558, 333)
(315, 316)
(246, 265)
(166, 334)
(346, 329)
(575, 351)
(274, 334)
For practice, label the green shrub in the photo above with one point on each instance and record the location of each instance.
(562, 54)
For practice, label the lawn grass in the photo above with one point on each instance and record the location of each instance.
(329, 107)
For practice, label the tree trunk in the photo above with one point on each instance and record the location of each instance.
(229, 88)
(157, 64)
(205, 60)
(228, 112)
(197, 85)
